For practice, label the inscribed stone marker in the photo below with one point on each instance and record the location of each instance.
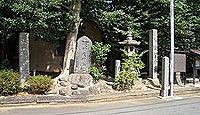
(24, 55)
(83, 56)
(153, 54)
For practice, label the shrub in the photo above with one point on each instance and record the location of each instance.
(130, 71)
(99, 54)
(9, 82)
(96, 73)
(39, 84)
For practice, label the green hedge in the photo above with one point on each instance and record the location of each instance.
(39, 84)
(9, 82)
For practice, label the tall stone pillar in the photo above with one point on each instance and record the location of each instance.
(153, 53)
(165, 77)
(153, 56)
(24, 56)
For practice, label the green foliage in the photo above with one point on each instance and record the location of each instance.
(96, 72)
(39, 84)
(51, 20)
(45, 19)
(130, 71)
(117, 22)
(9, 82)
(117, 17)
(99, 54)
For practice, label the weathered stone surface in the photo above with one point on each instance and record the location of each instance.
(81, 92)
(49, 99)
(94, 90)
(154, 82)
(178, 79)
(153, 53)
(65, 84)
(65, 91)
(103, 87)
(81, 85)
(83, 56)
(74, 87)
(82, 80)
(18, 99)
(165, 77)
(24, 55)
(65, 78)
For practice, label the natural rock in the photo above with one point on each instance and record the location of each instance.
(64, 84)
(81, 85)
(65, 91)
(94, 90)
(103, 87)
(154, 82)
(82, 80)
(74, 87)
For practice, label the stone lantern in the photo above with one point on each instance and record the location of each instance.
(130, 44)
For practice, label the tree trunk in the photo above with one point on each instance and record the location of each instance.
(70, 46)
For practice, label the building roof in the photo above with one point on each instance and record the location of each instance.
(195, 52)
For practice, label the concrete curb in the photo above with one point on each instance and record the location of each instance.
(57, 99)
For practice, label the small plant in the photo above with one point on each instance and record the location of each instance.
(39, 84)
(99, 54)
(130, 71)
(9, 82)
(96, 73)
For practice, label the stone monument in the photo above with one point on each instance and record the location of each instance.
(24, 56)
(80, 80)
(165, 77)
(153, 57)
(83, 56)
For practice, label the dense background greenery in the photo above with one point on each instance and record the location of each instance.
(116, 17)
(46, 19)
(51, 20)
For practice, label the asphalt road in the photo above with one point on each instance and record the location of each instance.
(151, 106)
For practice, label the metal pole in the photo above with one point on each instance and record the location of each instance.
(172, 47)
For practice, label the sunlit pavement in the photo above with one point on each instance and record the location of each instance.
(188, 105)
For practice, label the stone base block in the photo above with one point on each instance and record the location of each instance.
(154, 82)
(82, 80)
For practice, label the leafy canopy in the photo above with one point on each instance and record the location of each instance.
(51, 19)
(46, 19)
